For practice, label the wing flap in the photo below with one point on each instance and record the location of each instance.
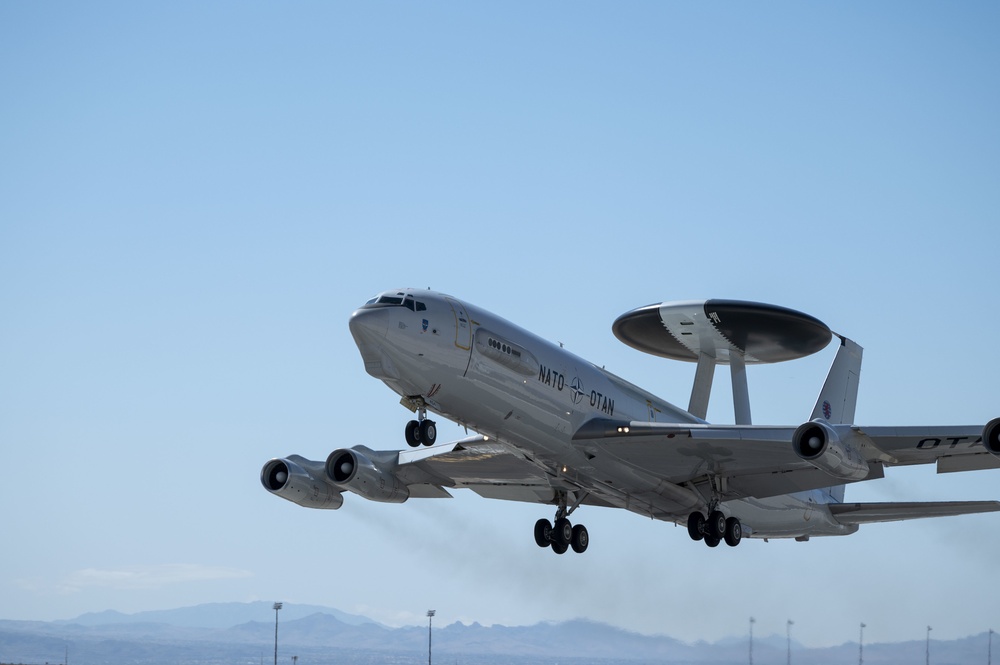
(526, 493)
(972, 462)
(428, 491)
(473, 462)
(868, 513)
(763, 485)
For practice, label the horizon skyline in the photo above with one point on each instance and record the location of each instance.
(312, 634)
(769, 637)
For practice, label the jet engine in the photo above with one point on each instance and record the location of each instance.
(352, 469)
(991, 436)
(818, 443)
(304, 484)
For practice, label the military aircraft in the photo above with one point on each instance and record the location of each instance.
(554, 429)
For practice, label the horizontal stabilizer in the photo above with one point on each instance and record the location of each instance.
(867, 513)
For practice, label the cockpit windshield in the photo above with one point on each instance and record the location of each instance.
(396, 299)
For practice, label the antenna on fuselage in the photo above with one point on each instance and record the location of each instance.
(722, 332)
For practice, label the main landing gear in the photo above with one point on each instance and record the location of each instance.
(422, 430)
(562, 535)
(715, 529)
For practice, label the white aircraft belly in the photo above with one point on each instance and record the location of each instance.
(789, 516)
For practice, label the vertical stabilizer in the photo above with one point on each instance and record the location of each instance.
(839, 397)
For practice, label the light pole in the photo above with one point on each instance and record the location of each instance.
(861, 645)
(430, 619)
(277, 606)
(788, 634)
(752, 622)
(929, 629)
(989, 650)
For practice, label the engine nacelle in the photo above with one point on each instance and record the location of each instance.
(303, 483)
(991, 436)
(354, 470)
(817, 443)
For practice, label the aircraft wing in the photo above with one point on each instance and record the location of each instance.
(628, 462)
(755, 461)
(489, 468)
(952, 448)
(867, 513)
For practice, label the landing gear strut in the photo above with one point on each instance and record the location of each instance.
(422, 430)
(562, 535)
(715, 529)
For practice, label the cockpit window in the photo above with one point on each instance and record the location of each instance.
(397, 299)
(414, 305)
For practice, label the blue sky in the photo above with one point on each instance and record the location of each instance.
(195, 196)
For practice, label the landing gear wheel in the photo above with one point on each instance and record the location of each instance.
(428, 432)
(696, 526)
(559, 548)
(412, 433)
(543, 531)
(734, 532)
(580, 540)
(716, 526)
(711, 542)
(562, 533)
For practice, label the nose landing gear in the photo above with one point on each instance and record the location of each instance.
(422, 430)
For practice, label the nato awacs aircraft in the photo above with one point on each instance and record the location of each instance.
(554, 429)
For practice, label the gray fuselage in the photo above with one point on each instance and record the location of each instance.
(496, 378)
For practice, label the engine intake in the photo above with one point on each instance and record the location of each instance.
(352, 469)
(991, 436)
(302, 484)
(818, 443)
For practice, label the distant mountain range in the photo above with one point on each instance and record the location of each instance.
(216, 615)
(243, 633)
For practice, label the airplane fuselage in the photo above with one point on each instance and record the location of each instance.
(499, 380)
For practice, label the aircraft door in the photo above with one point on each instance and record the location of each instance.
(463, 326)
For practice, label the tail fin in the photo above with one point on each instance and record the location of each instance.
(839, 397)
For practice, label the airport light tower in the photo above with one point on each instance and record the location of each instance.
(788, 635)
(430, 619)
(752, 622)
(929, 629)
(277, 606)
(861, 645)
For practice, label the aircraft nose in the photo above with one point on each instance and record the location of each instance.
(369, 324)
